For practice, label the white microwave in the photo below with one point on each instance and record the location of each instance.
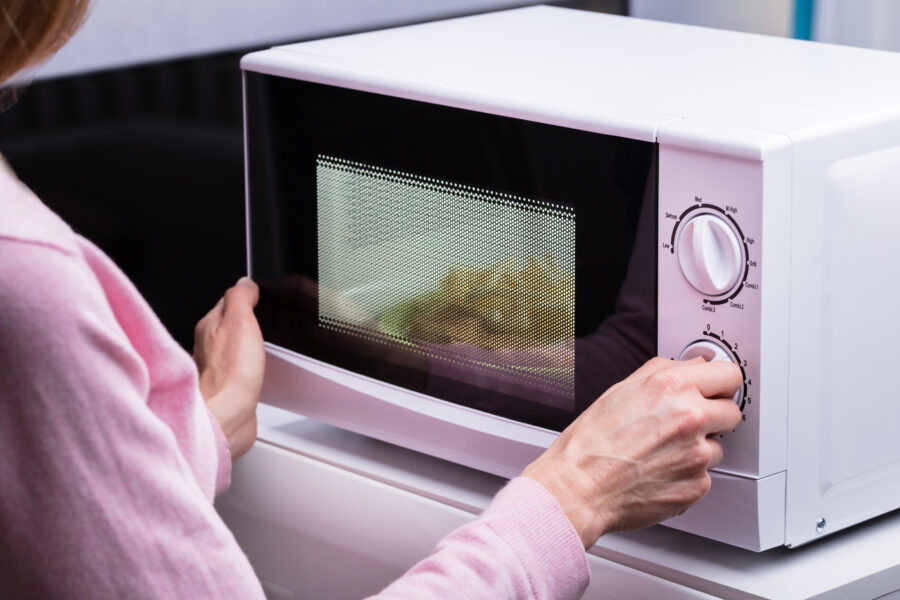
(465, 231)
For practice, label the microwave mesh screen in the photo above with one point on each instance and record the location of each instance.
(479, 283)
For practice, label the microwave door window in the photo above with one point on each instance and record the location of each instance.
(500, 264)
(479, 286)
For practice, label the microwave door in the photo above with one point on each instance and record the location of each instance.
(497, 264)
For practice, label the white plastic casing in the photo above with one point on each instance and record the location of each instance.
(730, 189)
(792, 143)
(693, 182)
(843, 408)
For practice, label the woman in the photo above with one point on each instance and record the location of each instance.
(114, 441)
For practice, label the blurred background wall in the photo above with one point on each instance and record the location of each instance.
(771, 17)
(126, 32)
(867, 23)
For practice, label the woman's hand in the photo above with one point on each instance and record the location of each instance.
(228, 350)
(640, 453)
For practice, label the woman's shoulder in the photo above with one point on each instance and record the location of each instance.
(45, 279)
(56, 323)
(24, 219)
(45, 288)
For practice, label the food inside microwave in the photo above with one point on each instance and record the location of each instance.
(505, 305)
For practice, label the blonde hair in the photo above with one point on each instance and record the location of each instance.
(32, 30)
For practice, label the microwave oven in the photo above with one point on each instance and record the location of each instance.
(465, 231)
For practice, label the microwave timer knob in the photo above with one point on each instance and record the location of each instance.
(712, 351)
(710, 254)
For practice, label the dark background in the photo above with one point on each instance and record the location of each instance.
(147, 162)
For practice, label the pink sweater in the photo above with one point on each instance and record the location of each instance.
(109, 460)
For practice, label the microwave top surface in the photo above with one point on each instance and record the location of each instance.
(610, 74)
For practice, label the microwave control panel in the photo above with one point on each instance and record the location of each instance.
(710, 215)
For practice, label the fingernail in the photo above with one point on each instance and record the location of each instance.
(244, 281)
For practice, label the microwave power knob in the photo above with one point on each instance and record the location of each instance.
(711, 351)
(710, 254)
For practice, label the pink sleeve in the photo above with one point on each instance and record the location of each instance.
(174, 392)
(98, 500)
(522, 546)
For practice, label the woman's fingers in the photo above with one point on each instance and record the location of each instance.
(659, 364)
(722, 415)
(717, 453)
(242, 297)
(213, 316)
(231, 361)
(718, 379)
